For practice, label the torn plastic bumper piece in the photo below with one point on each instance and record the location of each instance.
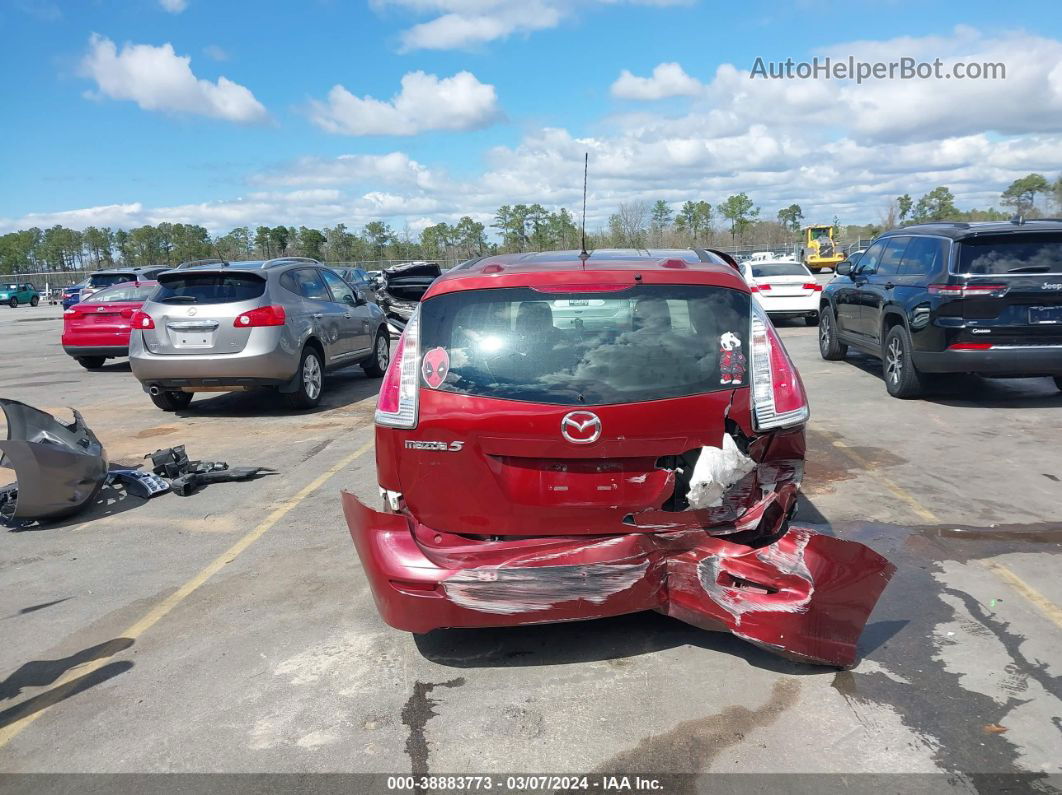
(59, 468)
(806, 596)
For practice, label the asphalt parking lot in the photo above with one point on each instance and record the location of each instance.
(233, 631)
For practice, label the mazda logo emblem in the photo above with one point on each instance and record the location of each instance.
(581, 427)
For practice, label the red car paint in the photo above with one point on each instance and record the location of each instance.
(497, 518)
(101, 328)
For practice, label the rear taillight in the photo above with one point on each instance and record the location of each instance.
(142, 320)
(763, 287)
(262, 316)
(127, 313)
(778, 396)
(968, 290)
(70, 311)
(970, 346)
(400, 390)
(813, 286)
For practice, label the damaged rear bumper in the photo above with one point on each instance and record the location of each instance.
(806, 596)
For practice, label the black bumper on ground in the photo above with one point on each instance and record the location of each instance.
(1002, 360)
(109, 351)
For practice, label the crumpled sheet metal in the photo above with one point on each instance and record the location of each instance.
(807, 596)
(59, 468)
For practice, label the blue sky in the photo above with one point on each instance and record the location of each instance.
(107, 124)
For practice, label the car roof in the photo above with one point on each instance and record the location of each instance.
(570, 270)
(957, 230)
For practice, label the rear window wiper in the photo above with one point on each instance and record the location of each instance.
(1030, 269)
(180, 299)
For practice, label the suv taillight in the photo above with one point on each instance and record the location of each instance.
(968, 290)
(262, 316)
(778, 396)
(400, 391)
(142, 320)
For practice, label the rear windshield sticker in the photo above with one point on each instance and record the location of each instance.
(435, 367)
(731, 359)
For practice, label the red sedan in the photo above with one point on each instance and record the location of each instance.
(566, 437)
(97, 329)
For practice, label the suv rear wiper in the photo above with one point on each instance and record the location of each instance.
(181, 299)
(1030, 269)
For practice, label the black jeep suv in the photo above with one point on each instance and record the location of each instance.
(982, 298)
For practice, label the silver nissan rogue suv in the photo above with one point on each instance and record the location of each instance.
(215, 326)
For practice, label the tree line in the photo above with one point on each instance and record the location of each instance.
(520, 227)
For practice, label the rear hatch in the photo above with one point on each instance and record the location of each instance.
(409, 282)
(555, 412)
(194, 311)
(782, 280)
(1012, 286)
(106, 317)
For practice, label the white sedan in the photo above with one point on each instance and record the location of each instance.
(784, 289)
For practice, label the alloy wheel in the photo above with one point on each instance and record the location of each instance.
(383, 354)
(894, 361)
(311, 377)
(824, 332)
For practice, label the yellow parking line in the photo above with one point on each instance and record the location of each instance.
(896, 489)
(160, 610)
(1039, 601)
(1052, 611)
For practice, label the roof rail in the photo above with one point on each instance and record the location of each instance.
(270, 263)
(196, 262)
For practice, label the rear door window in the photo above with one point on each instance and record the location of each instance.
(889, 264)
(208, 288)
(923, 256)
(1016, 253)
(310, 285)
(643, 343)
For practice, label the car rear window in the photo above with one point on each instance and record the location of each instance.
(208, 288)
(778, 269)
(644, 343)
(1031, 253)
(122, 292)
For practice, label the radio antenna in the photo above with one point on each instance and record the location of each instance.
(586, 169)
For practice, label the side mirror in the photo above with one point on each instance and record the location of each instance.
(844, 268)
(355, 299)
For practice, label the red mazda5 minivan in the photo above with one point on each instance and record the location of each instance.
(563, 436)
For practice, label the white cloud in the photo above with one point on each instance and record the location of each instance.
(156, 78)
(460, 24)
(667, 80)
(394, 168)
(810, 142)
(215, 53)
(1028, 100)
(174, 6)
(425, 102)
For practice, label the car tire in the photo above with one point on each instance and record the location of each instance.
(830, 347)
(902, 379)
(811, 320)
(13, 303)
(34, 301)
(311, 381)
(91, 362)
(376, 366)
(170, 400)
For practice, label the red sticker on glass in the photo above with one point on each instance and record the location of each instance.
(435, 367)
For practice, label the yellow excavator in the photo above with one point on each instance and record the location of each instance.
(818, 249)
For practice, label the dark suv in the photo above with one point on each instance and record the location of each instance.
(982, 298)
